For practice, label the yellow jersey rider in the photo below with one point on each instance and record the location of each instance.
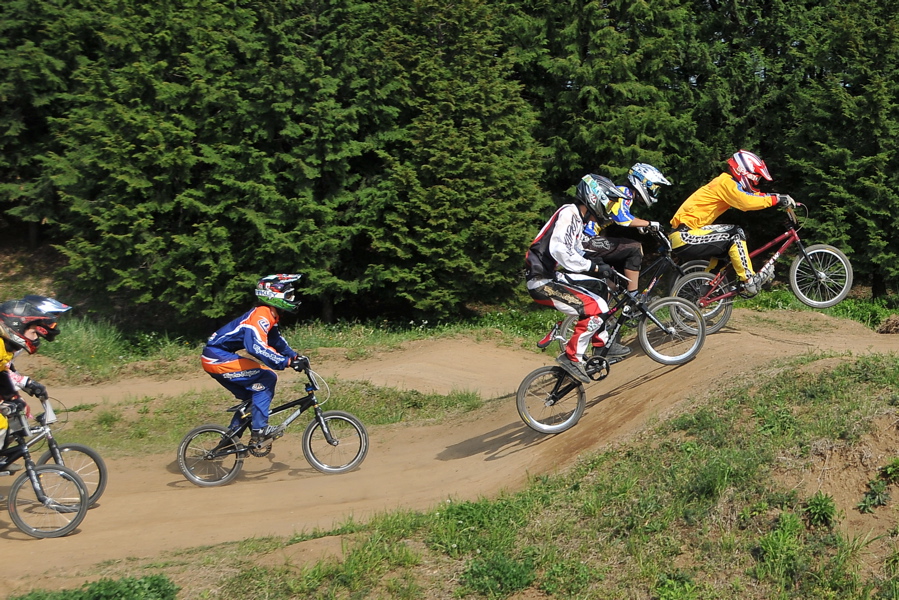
(696, 236)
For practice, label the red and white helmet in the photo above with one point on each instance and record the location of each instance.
(748, 169)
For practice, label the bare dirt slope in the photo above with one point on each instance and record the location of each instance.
(150, 508)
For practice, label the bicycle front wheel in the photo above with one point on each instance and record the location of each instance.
(549, 400)
(208, 456)
(694, 286)
(85, 461)
(824, 279)
(54, 507)
(345, 451)
(671, 331)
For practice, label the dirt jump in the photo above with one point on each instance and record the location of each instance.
(149, 508)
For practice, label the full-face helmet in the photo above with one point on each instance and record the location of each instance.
(278, 291)
(595, 192)
(50, 306)
(748, 169)
(16, 316)
(646, 181)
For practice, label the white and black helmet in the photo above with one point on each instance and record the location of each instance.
(646, 180)
(595, 192)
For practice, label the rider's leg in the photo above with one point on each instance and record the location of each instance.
(247, 380)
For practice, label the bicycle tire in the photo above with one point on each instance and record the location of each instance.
(65, 509)
(682, 335)
(85, 461)
(200, 466)
(694, 266)
(824, 280)
(717, 314)
(350, 450)
(545, 401)
(565, 331)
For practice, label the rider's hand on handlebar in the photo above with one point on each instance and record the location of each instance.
(35, 389)
(299, 363)
(653, 227)
(785, 201)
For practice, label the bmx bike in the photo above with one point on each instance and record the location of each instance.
(46, 500)
(671, 331)
(661, 274)
(820, 276)
(333, 442)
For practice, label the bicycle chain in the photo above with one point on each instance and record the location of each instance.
(260, 452)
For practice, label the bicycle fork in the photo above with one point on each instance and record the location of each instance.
(324, 425)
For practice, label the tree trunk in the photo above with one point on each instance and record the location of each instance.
(878, 285)
(327, 308)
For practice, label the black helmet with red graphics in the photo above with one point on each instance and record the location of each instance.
(16, 317)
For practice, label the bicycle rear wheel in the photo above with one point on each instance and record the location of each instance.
(549, 400)
(694, 286)
(85, 461)
(678, 335)
(55, 508)
(824, 279)
(208, 456)
(345, 453)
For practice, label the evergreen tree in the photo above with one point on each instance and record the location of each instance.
(444, 223)
(611, 83)
(840, 119)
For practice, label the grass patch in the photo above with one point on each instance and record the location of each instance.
(150, 424)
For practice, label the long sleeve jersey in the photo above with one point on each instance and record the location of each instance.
(558, 244)
(258, 333)
(711, 200)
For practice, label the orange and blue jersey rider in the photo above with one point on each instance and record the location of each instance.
(257, 333)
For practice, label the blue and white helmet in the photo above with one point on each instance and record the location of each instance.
(646, 180)
(595, 192)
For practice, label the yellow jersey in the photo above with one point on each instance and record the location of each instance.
(711, 200)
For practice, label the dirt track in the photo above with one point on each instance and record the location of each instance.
(149, 507)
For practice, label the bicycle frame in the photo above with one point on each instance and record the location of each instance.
(302, 405)
(20, 450)
(660, 266)
(786, 239)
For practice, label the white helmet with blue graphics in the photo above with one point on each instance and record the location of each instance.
(646, 180)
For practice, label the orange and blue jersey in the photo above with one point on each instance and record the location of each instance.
(258, 333)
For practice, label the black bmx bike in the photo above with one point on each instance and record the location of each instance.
(333, 442)
(671, 331)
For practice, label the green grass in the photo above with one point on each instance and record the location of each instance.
(94, 351)
(869, 312)
(689, 510)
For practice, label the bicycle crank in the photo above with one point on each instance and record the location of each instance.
(597, 368)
